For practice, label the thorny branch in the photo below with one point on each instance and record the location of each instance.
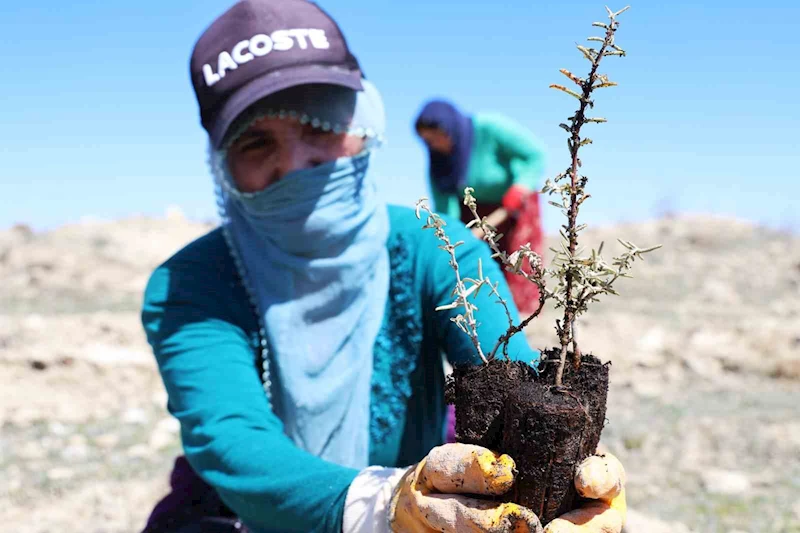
(514, 263)
(580, 279)
(465, 321)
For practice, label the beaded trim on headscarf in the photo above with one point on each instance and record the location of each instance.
(324, 125)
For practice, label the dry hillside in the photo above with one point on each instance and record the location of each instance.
(705, 343)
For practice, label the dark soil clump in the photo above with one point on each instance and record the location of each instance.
(479, 395)
(544, 435)
(507, 407)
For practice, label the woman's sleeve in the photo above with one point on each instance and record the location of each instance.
(519, 147)
(230, 435)
(491, 317)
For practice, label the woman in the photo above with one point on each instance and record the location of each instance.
(503, 163)
(298, 342)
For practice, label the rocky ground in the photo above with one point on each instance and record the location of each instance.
(704, 407)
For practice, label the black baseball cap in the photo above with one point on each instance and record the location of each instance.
(259, 47)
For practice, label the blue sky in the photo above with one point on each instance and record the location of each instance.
(98, 117)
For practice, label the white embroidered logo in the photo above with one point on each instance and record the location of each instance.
(261, 45)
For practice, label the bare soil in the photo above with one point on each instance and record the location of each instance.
(702, 407)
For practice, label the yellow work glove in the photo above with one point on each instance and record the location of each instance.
(601, 478)
(431, 496)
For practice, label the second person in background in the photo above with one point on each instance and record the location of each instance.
(502, 161)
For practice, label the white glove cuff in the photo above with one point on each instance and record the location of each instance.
(366, 507)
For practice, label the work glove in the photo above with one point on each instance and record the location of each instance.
(438, 495)
(514, 198)
(431, 496)
(601, 479)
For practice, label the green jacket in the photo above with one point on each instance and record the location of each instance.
(504, 153)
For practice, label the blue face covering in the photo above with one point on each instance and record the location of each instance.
(312, 249)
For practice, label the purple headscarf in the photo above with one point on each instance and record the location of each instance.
(448, 171)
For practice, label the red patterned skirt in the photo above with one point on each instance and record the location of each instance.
(525, 227)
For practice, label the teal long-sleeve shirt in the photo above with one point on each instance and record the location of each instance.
(504, 153)
(205, 337)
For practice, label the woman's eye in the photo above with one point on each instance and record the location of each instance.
(250, 146)
(254, 145)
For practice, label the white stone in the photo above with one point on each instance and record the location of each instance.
(720, 292)
(31, 451)
(647, 387)
(34, 321)
(135, 415)
(139, 451)
(78, 440)
(58, 429)
(60, 473)
(107, 440)
(75, 452)
(160, 440)
(168, 425)
(653, 340)
(726, 482)
(160, 398)
(110, 355)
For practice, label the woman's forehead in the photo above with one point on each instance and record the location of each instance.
(273, 124)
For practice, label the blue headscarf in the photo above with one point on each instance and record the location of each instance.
(448, 171)
(311, 249)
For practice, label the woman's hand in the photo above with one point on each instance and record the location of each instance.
(601, 479)
(514, 198)
(495, 218)
(431, 497)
